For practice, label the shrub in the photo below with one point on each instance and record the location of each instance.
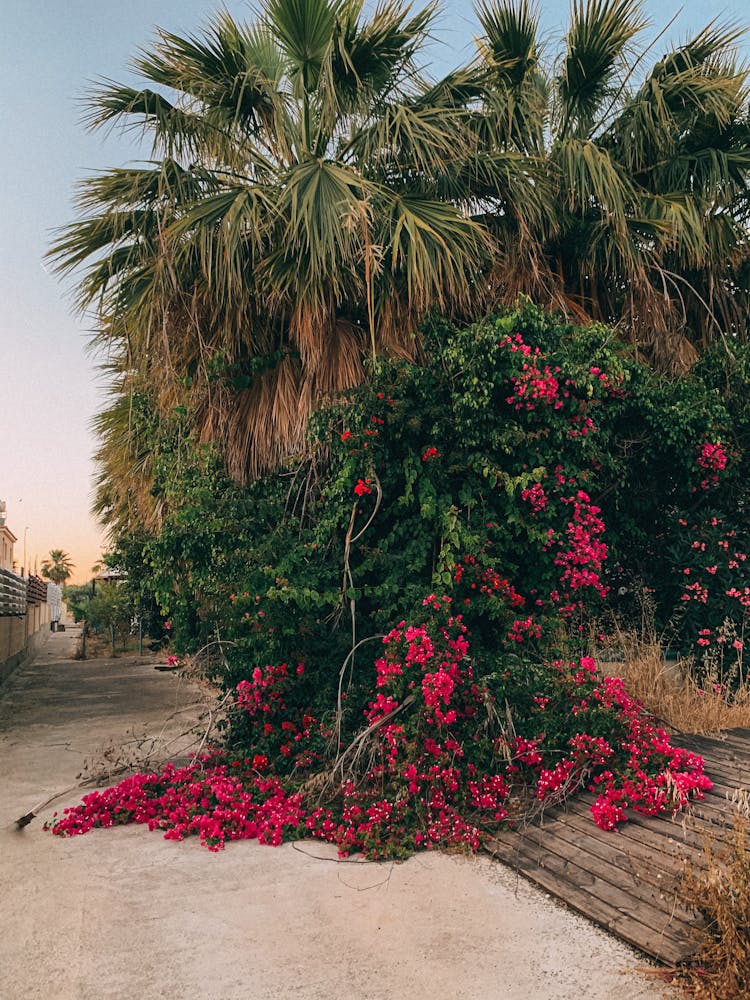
(447, 753)
(719, 889)
(534, 476)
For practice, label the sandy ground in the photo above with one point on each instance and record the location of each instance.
(125, 914)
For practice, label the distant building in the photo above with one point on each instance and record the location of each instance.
(7, 541)
(24, 607)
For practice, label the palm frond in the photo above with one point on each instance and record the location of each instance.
(510, 45)
(431, 250)
(596, 45)
(409, 140)
(591, 179)
(304, 30)
(370, 58)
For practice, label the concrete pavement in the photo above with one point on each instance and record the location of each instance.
(120, 914)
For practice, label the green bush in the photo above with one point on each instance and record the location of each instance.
(488, 473)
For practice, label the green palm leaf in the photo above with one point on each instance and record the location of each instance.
(596, 45)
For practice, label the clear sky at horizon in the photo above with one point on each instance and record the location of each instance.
(49, 388)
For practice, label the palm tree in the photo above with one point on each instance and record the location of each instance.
(312, 195)
(129, 433)
(58, 567)
(646, 222)
(296, 216)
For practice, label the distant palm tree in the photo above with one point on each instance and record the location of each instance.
(58, 567)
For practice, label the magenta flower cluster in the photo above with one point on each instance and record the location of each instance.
(534, 385)
(535, 496)
(216, 799)
(713, 458)
(439, 773)
(715, 585)
(582, 555)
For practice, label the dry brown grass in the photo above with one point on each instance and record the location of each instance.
(719, 888)
(669, 691)
(720, 970)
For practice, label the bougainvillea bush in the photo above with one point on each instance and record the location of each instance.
(439, 762)
(480, 453)
(539, 480)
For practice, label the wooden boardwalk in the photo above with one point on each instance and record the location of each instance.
(626, 881)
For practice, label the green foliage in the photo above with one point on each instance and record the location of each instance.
(137, 581)
(484, 473)
(111, 612)
(77, 599)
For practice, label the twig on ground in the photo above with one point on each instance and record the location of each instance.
(337, 861)
(124, 764)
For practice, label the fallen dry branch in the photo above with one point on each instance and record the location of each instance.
(348, 761)
(137, 754)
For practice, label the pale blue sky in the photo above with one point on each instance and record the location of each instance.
(49, 52)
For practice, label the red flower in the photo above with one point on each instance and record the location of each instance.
(347, 436)
(430, 453)
(362, 488)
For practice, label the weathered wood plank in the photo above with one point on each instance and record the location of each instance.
(728, 781)
(724, 769)
(650, 848)
(651, 852)
(712, 808)
(729, 748)
(666, 837)
(630, 864)
(683, 829)
(613, 875)
(737, 739)
(603, 911)
(627, 881)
